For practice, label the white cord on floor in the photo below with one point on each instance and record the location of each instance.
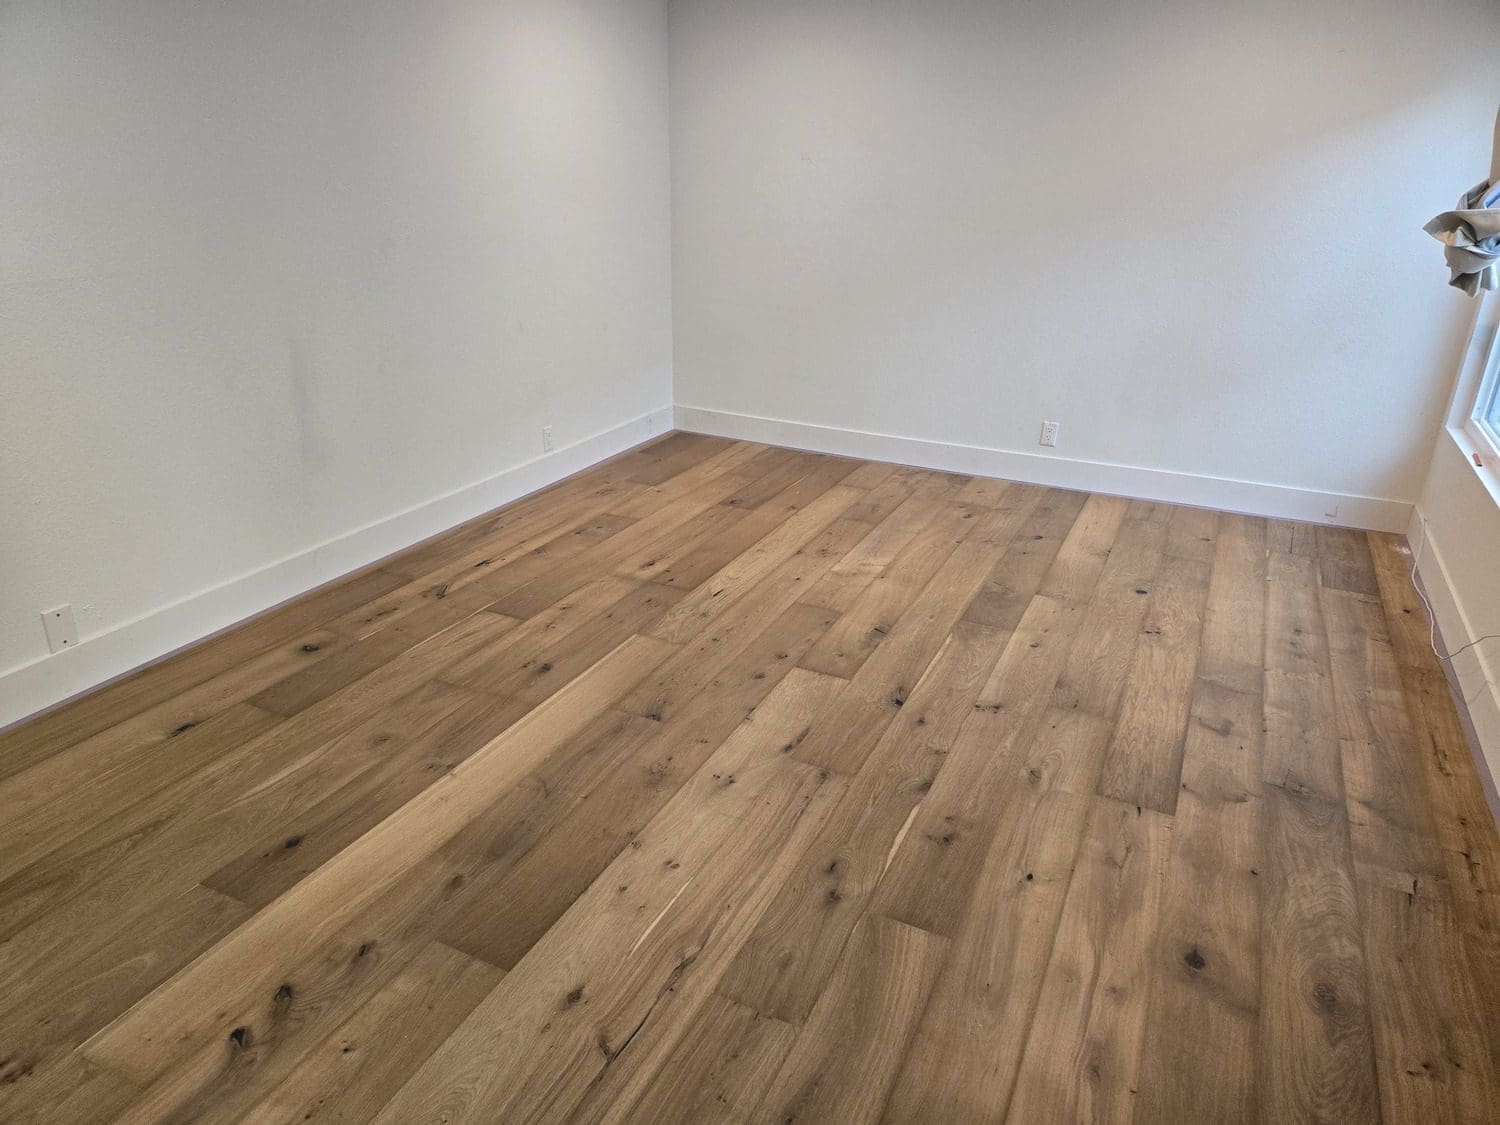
(1432, 623)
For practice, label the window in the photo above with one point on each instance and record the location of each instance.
(1482, 421)
(1487, 412)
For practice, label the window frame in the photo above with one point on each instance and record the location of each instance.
(1483, 423)
(1478, 388)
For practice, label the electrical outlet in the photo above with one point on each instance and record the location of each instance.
(62, 631)
(546, 439)
(1049, 433)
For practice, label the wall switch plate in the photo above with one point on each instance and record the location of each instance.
(62, 631)
(546, 439)
(1049, 433)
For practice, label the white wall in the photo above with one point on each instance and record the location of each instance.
(274, 272)
(1190, 232)
(1455, 535)
(285, 286)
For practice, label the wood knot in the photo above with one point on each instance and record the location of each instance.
(1326, 995)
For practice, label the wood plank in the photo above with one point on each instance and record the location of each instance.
(144, 1042)
(1206, 963)
(729, 1056)
(27, 836)
(108, 758)
(1344, 561)
(675, 454)
(1192, 534)
(987, 492)
(846, 1056)
(1432, 1048)
(843, 738)
(26, 745)
(44, 1019)
(355, 1070)
(963, 1058)
(934, 871)
(528, 676)
(872, 474)
(1074, 571)
(884, 497)
(1143, 765)
(803, 488)
(1407, 624)
(1460, 811)
(477, 667)
(645, 500)
(1095, 676)
(1302, 744)
(339, 973)
(726, 635)
(697, 534)
(656, 920)
(872, 615)
(1392, 835)
(775, 471)
(869, 558)
(1230, 652)
(1205, 966)
(1314, 1043)
(1314, 1037)
(540, 887)
(69, 1089)
(1019, 572)
(497, 574)
(1292, 537)
(690, 564)
(166, 841)
(1083, 1056)
(491, 569)
(786, 963)
(1465, 825)
(641, 540)
(298, 845)
(733, 581)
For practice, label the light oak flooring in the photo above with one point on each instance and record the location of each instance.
(731, 783)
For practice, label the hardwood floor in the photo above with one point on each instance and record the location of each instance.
(732, 783)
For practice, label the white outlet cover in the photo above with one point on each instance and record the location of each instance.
(62, 631)
(546, 439)
(1049, 433)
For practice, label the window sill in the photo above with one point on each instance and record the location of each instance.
(1488, 473)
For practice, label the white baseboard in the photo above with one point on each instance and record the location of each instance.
(1474, 670)
(36, 686)
(1332, 508)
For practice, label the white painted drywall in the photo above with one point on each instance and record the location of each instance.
(1188, 231)
(1455, 537)
(274, 272)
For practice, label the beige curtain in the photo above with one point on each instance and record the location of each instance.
(1470, 233)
